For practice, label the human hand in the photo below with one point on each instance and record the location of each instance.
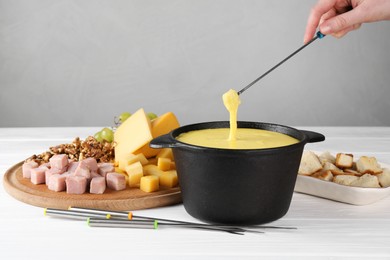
(338, 17)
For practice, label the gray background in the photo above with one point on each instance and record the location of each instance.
(80, 63)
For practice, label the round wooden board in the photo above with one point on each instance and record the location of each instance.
(130, 199)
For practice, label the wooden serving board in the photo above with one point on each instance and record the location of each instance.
(130, 199)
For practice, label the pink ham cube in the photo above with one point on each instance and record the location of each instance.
(91, 163)
(116, 181)
(72, 166)
(76, 184)
(26, 168)
(57, 182)
(82, 170)
(46, 165)
(95, 174)
(105, 168)
(59, 161)
(38, 175)
(51, 172)
(98, 185)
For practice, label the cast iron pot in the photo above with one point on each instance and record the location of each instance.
(240, 187)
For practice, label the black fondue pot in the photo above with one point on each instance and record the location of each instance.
(240, 187)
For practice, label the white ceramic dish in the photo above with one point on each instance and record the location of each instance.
(347, 194)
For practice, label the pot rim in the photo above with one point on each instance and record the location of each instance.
(301, 135)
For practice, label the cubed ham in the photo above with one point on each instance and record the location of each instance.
(76, 184)
(51, 172)
(95, 174)
(38, 175)
(72, 166)
(47, 165)
(105, 168)
(26, 168)
(57, 182)
(97, 185)
(91, 163)
(44, 166)
(116, 181)
(59, 161)
(82, 170)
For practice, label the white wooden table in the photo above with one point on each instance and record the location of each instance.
(326, 229)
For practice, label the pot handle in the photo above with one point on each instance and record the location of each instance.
(313, 137)
(164, 141)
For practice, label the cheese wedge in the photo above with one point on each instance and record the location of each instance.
(160, 126)
(132, 134)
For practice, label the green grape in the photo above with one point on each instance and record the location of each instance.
(122, 117)
(98, 136)
(151, 115)
(107, 134)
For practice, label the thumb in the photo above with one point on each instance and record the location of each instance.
(341, 22)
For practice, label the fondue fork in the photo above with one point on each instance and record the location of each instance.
(130, 217)
(319, 35)
(154, 224)
(124, 215)
(73, 215)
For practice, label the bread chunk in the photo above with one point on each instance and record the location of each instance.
(327, 157)
(325, 175)
(384, 178)
(366, 181)
(344, 160)
(352, 172)
(345, 179)
(333, 168)
(367, 164)
(309, 163)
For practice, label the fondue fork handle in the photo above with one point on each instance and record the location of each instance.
(319, 35)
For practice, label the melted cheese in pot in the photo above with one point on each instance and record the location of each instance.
(246, 138)
(233, 137)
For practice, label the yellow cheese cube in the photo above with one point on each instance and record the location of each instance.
(165, 153)
(134, 179)
(149, 183)
(135, 173)
(134, 168)
(169, 179)
(141, 158)
(159, 126)
(128, 159)
(152, 160)
(164, 164)
(132, 134)
(151, 169)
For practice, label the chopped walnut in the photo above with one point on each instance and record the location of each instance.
(79, 150)
(101, 151)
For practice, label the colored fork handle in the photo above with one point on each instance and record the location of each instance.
(320, 35)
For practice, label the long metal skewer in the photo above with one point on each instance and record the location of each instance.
(130, 216)
(108, 218)
(319, 35)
